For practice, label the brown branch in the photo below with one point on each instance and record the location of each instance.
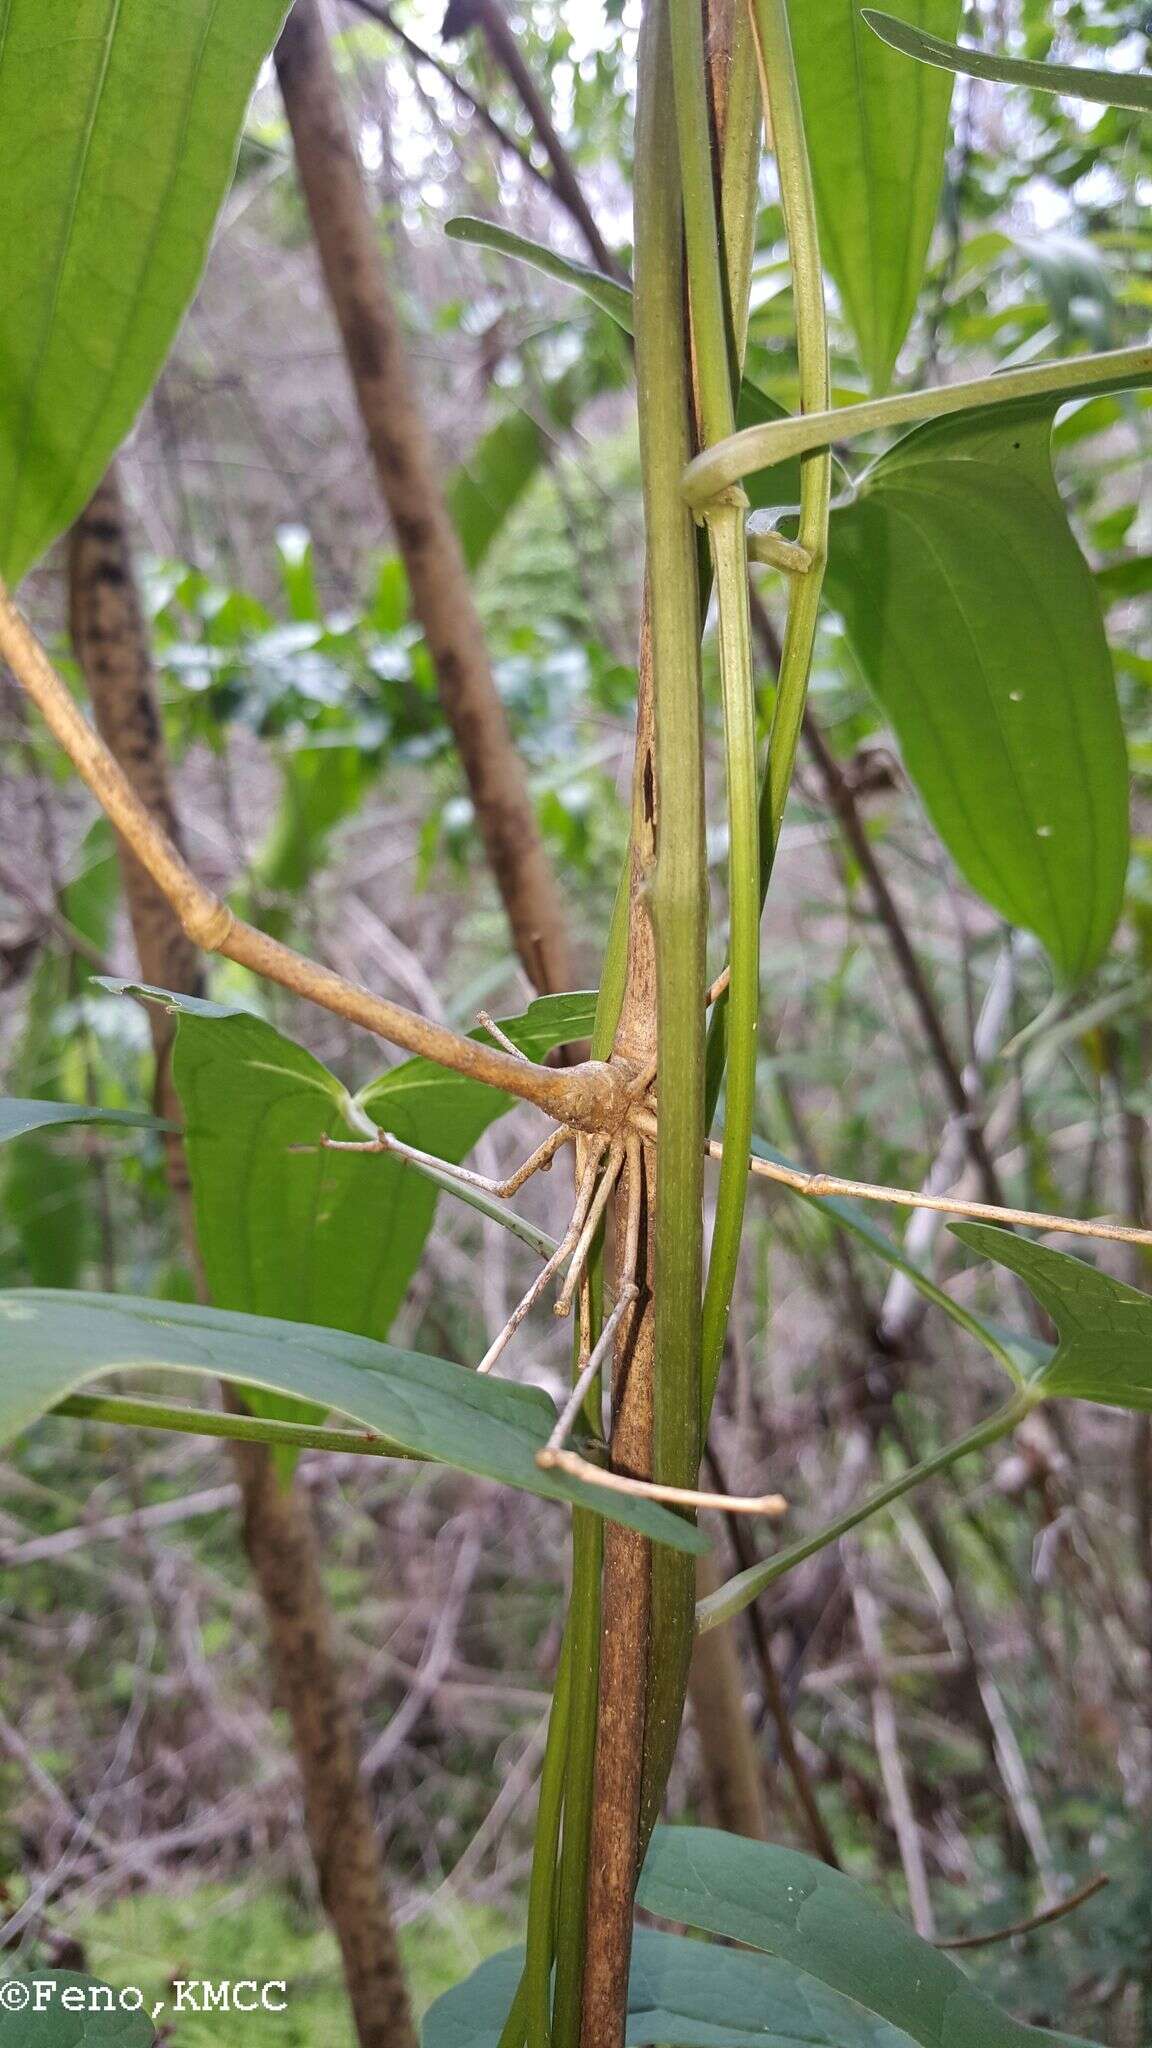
(591, 1096)
(111, 645)
(1034, 1920)
(489, 16)
(419, 55)
(389, 400)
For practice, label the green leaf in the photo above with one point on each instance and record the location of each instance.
(817, 1919)
(1110, 88)
(323, 1237)
(604, 292)
(54, 1342)
(1105, 1348)
(681, 1994)
(46, 2022)
(975, 620)
(19, 1115)
(108, 211)
(877, 131)
(754, 407)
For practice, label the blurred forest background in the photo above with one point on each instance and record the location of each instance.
(962, 1699)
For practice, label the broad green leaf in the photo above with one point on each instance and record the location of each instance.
(1110, 88)
(119, 122)
(322, 1237)
(975, 620)
(818, 1920)
(54, 1342)
(753, 407)
(47, 2019)
(19, 1114)
(1105, 1348)
(682, 1994)
(877, 130)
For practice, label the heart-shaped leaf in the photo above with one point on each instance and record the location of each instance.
(877, 129)
(1105, 1348)
(53, 1343)
(106, 222)
(323, 1237)
(681, 1994)
(793, 1907)
(976, 622)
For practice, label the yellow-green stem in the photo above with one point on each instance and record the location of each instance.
(716, 372)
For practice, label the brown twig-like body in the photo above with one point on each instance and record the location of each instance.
(592, 1096)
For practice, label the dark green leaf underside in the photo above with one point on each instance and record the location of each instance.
(52, 1343)
(45, 2022)
(821, 1922)
(682, 1994)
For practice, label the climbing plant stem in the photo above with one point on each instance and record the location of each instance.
(739, 1592)
(798, 201)
(762, 447)
(730, 565)
(716, 370)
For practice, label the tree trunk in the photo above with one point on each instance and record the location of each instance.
(386, 392)
(111, 643)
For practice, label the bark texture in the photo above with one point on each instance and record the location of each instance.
(404, 458)
(111, 643)
(616, 1837)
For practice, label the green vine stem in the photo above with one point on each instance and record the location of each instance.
(535, 2017)
(252, 1429)
(758, 448)
(729, 1028)
(715, 366)
(558, 1890)
(583, 1634)
(739, 1592)
(726, 531)
(786, 122)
